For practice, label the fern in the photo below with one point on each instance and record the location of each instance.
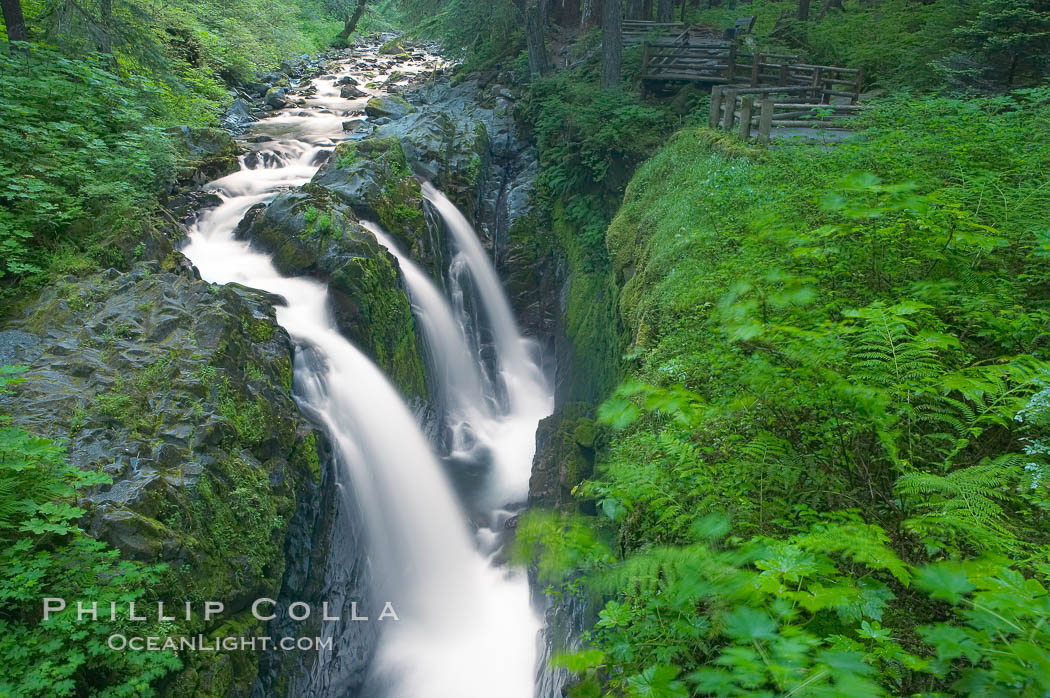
(964, 505)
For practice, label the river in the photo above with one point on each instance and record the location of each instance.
(466, 627)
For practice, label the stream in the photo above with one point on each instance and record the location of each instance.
(467, 627)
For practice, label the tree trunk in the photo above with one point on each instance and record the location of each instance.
(803, 10)
(634, 9)
(588, 17)
(647, 10)
(351, 22)
(611, 44)
(665, 11)
(14, 21)
(829, 4)
(534, 40)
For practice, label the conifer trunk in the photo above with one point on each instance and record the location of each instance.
(612, 19)
(14, 21)
(665, 11)
(534, 39)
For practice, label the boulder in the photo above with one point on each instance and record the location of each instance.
(276, 97)
(205, 154)
(310, 232)
(181, 392)
(351, 92)
(389, 106)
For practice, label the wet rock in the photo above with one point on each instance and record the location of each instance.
(352, 124)
(564, 458)
(389, 106)
(238, 115)
(351, 92)
(374, 178)
(347, 80)
(310, 233)
(206, 154)
(180, 391)
(276, 97)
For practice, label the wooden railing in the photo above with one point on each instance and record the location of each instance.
(742, 107)
(712, 61)
(719, 62)
(636, 31)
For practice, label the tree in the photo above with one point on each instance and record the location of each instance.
(14, 21)
(612, 19)
(350, 23)
(587, 14)
(1012, 35)
(665, 11)
(803, 10)
(534, 39)
(634, 9)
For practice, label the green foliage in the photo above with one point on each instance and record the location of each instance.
(483, 31)
(853, 367)
(45, 553)
(900, 43)
(84, 155)
(80, 156)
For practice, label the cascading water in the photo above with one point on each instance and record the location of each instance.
(466, 629)
(509, 432)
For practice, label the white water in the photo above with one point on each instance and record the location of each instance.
(466, 628)
(510, 433)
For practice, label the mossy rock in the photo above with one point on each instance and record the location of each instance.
(388, 106)
(565, 452)
(373, 177)
(204, 153)
(180, 391)
(311, 232)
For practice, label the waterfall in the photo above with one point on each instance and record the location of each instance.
(466, 628)
(509, 433)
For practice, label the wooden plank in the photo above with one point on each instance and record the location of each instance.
(810, 124)
(836, 107)
(827, 67)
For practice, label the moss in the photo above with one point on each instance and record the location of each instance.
(307, 454)
(345, 155)
(590, 317)
(390, 336)
(392, 47)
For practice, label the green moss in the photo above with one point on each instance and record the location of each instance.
(590, 318)
(345, 155)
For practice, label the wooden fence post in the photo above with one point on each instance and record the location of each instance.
(818, 85)
(856, 91)
(765, 121)
(731, 68)
(729, 104)
(716, 106)
(783, 75)
(756, 67)
(746, 107)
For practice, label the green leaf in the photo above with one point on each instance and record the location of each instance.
(944, 581)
